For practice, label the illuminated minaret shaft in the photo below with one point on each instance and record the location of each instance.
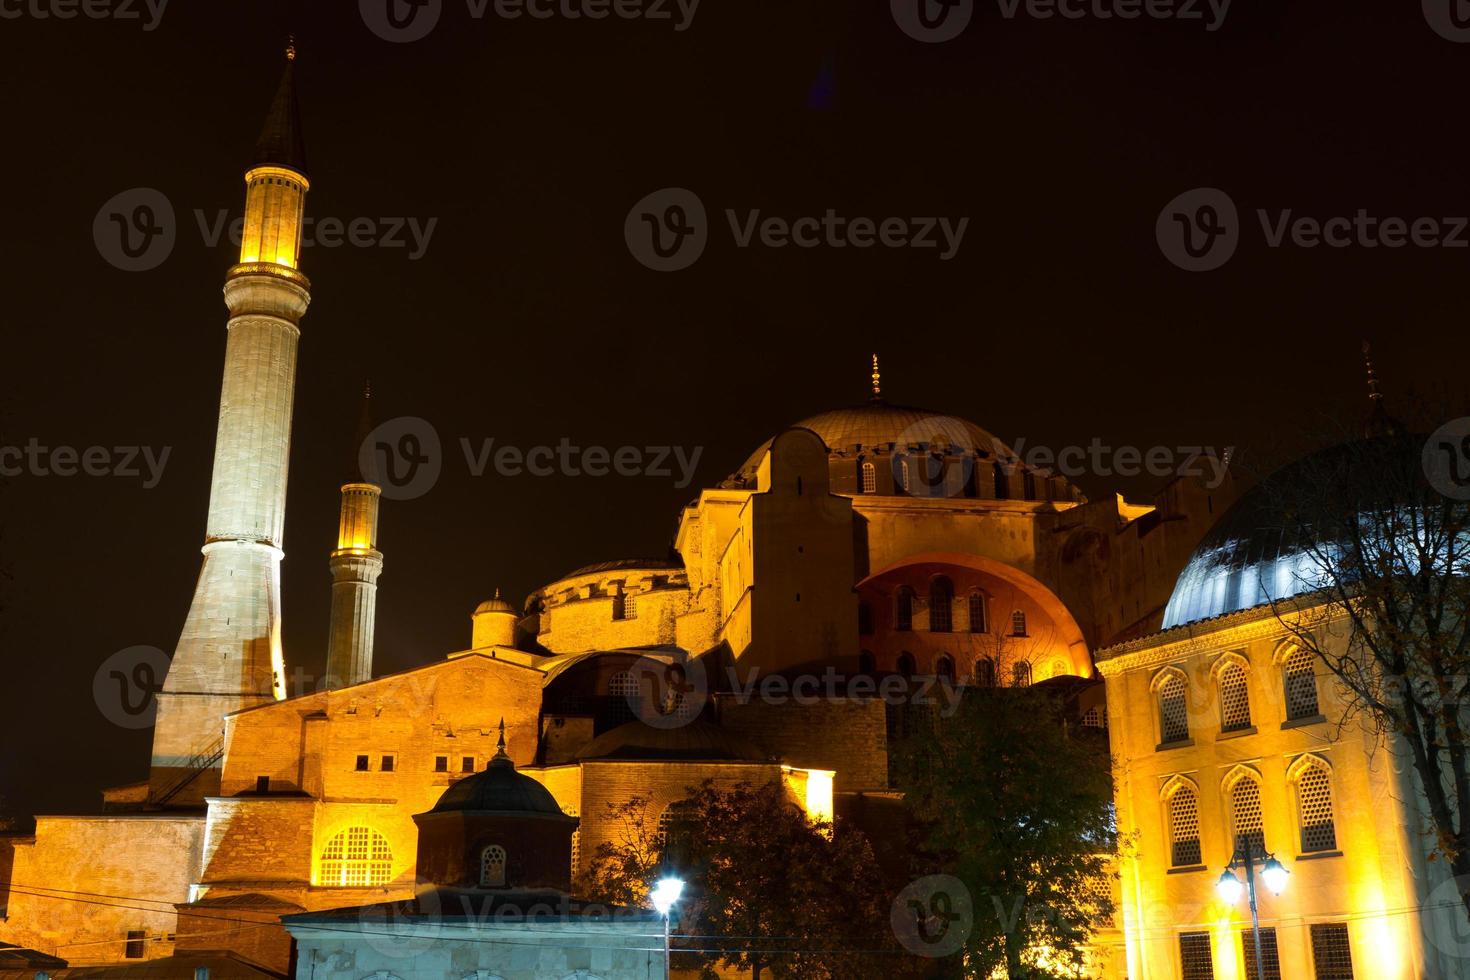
(356, 564)
(229, 654)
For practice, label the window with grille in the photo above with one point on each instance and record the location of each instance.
(441, 763)
(492, 867)
(571, 811)
(1235, 702)
(903, 617)
(133, 950)
(1173, 716)
(356, 858)
(1184, 847)
(1332, 955)
(941, 599)
(870, 478)
(1021, 674)
(1245, 816)
(625, 605)
(467, 764)
(1301, 686)
(977, 613)
(985, 672)
(1018, 623)
(903, 474)
(1270, 960)
(1314, 801)
(1095, 717)
(1194, 956)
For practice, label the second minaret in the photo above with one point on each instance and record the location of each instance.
(356, 564)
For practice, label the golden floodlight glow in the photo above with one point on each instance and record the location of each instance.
(275, 200)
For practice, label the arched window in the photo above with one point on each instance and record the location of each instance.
(1028, 482)
(985, 672)
(867, 666)
(1021, 674)
(906, 664)
(1183, 806)
(1246, 825)
(1173, 708)
(865, 619)
(870, 478)
(977, 613)
(1314, 806)
(1018, 623)
(903, 614)
(675, 823)
(941, 603)
(905, 473)
(492, 867)
(1300, 680)
(356, 858)
(1235, 701)
(625, 605)
(944, 668)
(1002, 483)
(1095, 717)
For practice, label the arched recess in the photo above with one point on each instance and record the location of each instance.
(1288, 647)
(1174, 784)
(1166, 674)
(1238, 772)
(1305, 761)
(1228, 659)
(1068, 635)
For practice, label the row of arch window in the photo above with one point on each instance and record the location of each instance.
(1310, 780)
(1232, 693)
(910, 472)
(985, 672)
(941, 611)
(360, 857)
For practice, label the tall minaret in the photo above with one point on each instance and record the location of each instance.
(356, 565)
(229, 654)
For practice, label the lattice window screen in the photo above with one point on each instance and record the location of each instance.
(1314, 797)
(355, 858)
(941, 603)
(1268, 953)
(1245, 815)
(870, 478)
(1184, 828)
(1095, 717)
(1235, 702)
(1194, 956)
(1173, 714)
(1332, 954)
(977, 613)
(1301, 686)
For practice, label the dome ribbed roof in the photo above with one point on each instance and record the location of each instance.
(697, 740)
(498, 789)
(496, 605)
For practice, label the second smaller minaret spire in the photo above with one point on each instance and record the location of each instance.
(356, 564)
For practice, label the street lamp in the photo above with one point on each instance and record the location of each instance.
(1273, 873)
(664, 895)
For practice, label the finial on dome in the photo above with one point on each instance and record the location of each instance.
(877, 381)
(1380, 424)
(290, 47)
(500, 745)
(1373, 393)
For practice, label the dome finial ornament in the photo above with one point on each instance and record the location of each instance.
(290, 47)
(877, 395)
(1373, 393)
(500, 746)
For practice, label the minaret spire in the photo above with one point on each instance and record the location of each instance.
(356, 564)
(877, 394)
(1379, 423)
(229, 654)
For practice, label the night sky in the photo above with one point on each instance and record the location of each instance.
(527, 319)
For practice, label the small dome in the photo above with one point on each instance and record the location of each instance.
(696, 741)
(498, 789)
(495, 605)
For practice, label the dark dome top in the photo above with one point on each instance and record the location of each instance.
(1254, 555)
(621, 564)
(697, 740)
(495, 605)
(498, 789)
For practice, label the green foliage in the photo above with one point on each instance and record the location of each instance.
(1018, 805)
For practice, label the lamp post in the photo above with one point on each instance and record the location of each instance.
(1273, 873)
(664, 895)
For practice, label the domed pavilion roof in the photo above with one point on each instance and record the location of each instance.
(498, 789)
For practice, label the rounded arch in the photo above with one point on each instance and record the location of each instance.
(944, 667)
(355, 856)
(1290, 647)
(1304, 762)
(1175, 783)
(1226, 660)
(906, 665)
(1236, 774)
(482, 975)
(1165, 674)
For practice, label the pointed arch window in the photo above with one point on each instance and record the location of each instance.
(903, 618)
(870, 478)
(1021, 674)
(1314, 805)
(358, 857)
(1182, 802)
(1173, 708)
(941, 604)
(906, 666)
(944, 668)
(1299, 678)
(492, 867)
(977, 613)
(985, 672)
(1247, 827)
(1235, 701)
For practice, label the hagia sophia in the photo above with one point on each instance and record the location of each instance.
(872, 541)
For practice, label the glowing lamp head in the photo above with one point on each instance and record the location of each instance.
(665, 894)
(1229, 886)
(1274, 874)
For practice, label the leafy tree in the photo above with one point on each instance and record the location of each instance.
(769, 890)
(1018, 805)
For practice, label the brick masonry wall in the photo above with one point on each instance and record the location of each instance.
(847, 736)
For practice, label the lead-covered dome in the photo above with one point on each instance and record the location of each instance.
(498, 789)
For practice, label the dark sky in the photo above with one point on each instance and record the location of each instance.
(527, 319)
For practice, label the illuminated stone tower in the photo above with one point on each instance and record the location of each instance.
(229, 653)
(356, 565)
